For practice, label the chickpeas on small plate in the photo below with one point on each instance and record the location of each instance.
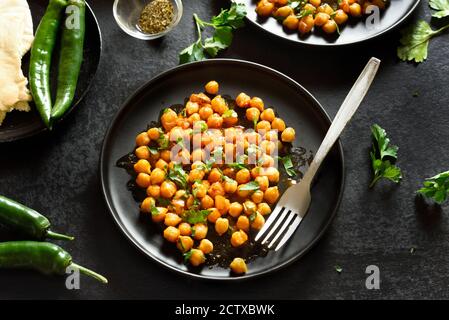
(329, 15)
(210, 172)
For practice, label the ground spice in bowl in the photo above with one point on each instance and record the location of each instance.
(156, 16)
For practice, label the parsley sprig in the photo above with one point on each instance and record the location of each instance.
(223, 24)
(382, 155)
(415, 39)
(436, 188)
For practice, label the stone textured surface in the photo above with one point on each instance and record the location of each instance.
(57, 174)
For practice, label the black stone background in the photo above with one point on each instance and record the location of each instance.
(58, 174)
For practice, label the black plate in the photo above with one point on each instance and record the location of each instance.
(20, 125)
(293, 103)
(355, 30)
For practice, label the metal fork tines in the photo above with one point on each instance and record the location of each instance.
(285, 222)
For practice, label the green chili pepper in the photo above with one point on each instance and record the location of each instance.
(71, 58)
(41, 54)
(44, 257)
(27, 220)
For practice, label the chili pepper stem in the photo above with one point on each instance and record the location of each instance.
(89, 273)
(58, 236)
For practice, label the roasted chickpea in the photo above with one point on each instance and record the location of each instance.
(169, 119)
(178, 205)
(243, 223)
(207, 202)
(243, 99)
(213, 215)
(243, 193)
(268, 115)
(172, 219)
(221, 225)
(243, 176)
(284, 12)
(235, 209)
(355, 10)
(168, 189)
(258, 222)
(212, 87)
(229, 172)
(263, 182)
(238, 238)
(166, 155)
(330, 27)
(192, 107)
(215, 121)
(291, 22)
(340, 16)
(206, 246)
(315, 3)
(154, 191)
(326, 8)
(230, 186)
(272, 174)
(280, 2)
(147, 204)
(264, 8)
(263, 126)
(142, 139)
(306, 24)
(159, 214)
(344, 5)
(195, 175)
(142, 166)
(142, 152)
(143, 180)
(199, 190)
(201, 98)
(157, 176)
(321, 19)
(288, 135)
(197, 257)
(171, 234)
(257, 103)
(263, 208)
(184, 243)
(215, 189)
(238, 266)
(200, 231)
(153, 133)
(278, 124)
(214, 176)
(205, 112)
(161, 164)
(185, 229)
(268, 147)
(252, 114)
(219, 105)
(249, 207)
(271, 195)
(257, 196)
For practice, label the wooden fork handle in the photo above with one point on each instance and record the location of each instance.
(344, 115)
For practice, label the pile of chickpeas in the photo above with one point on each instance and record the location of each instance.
(222, 189)
(328, 15)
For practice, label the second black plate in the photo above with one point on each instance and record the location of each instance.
(293, 103)
(356, 30)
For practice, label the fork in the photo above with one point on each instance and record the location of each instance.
(294, 203)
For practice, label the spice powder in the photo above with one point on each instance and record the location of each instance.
(156, 16)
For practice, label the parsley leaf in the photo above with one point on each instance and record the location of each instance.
(442, 7)
(415, 41)
(381, 156)
(250, 186)
(195, 216)
(223, 24)
(288, 165)
(237, 166)
(163, 141)
(187, 256)
(178, 176)
(338, 268)
(152, 150)
(154, 211)
(436, 188)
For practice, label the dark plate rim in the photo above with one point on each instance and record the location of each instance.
(79, 100)
(174, 70)
(304, 42)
